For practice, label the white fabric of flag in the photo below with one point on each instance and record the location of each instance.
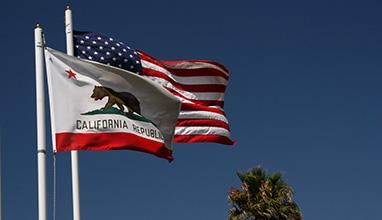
(100, 107)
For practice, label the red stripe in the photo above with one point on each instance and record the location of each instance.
(203, 138)
(188, 88)
(186, 72)
(150, 59)
(202, 122)
(168, 62)
(196, 72)
(111, 141)
(196, 107)
(200, 102)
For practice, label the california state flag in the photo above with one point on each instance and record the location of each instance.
(98, 107)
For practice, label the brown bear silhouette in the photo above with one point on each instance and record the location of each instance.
(120, 99)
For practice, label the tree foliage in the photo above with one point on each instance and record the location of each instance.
(262, 197)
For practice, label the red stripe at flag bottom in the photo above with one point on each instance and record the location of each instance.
(204, 138)
(111, 141)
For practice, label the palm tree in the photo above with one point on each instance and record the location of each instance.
(262, 197)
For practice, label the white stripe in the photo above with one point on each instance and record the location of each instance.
(210, 106)
(190, 95)
(202, 131)
(196, 65)
(202, 115)
(187, 80)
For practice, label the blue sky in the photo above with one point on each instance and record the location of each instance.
(304, 98)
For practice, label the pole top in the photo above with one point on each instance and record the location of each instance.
(67, 7)
(38, 25)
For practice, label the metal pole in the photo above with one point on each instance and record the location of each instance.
(74, 154)
(40, 107)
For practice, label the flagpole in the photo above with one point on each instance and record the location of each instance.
(74, 154)
(40, 109)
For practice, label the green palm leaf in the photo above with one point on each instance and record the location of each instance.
(262, 197)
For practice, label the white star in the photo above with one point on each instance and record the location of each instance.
(90, 57)
(87, 37)
(106, 42)
(99, 38)
(124, 50)
(111, 39)
(83, 52)
(128, 47)
(125, 60)
(135, 53)
(95, 52)
(77, 46)
(101, 47)
(131, 67)
(121, 43)
(119, 54)
(102, 58)
(131, 56)
(137, 62)
(88, 47)
(107, 53)
(120, 65)
(113, 48)
(118, 44)
(81, 41)
(94, 42)
(114, 58)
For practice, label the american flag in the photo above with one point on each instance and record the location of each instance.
(199, 84)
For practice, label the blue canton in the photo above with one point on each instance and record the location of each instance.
(106, 50)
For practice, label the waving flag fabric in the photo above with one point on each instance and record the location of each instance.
(198, 84)
(100, 107)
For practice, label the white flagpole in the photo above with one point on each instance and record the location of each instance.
(74, 154)
(40, 107)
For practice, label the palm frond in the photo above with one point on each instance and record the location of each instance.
(262, 197)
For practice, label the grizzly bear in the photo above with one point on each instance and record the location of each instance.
(120, 99)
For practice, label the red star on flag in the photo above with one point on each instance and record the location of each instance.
(71, 74)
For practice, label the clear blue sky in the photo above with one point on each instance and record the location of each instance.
(304, 98)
